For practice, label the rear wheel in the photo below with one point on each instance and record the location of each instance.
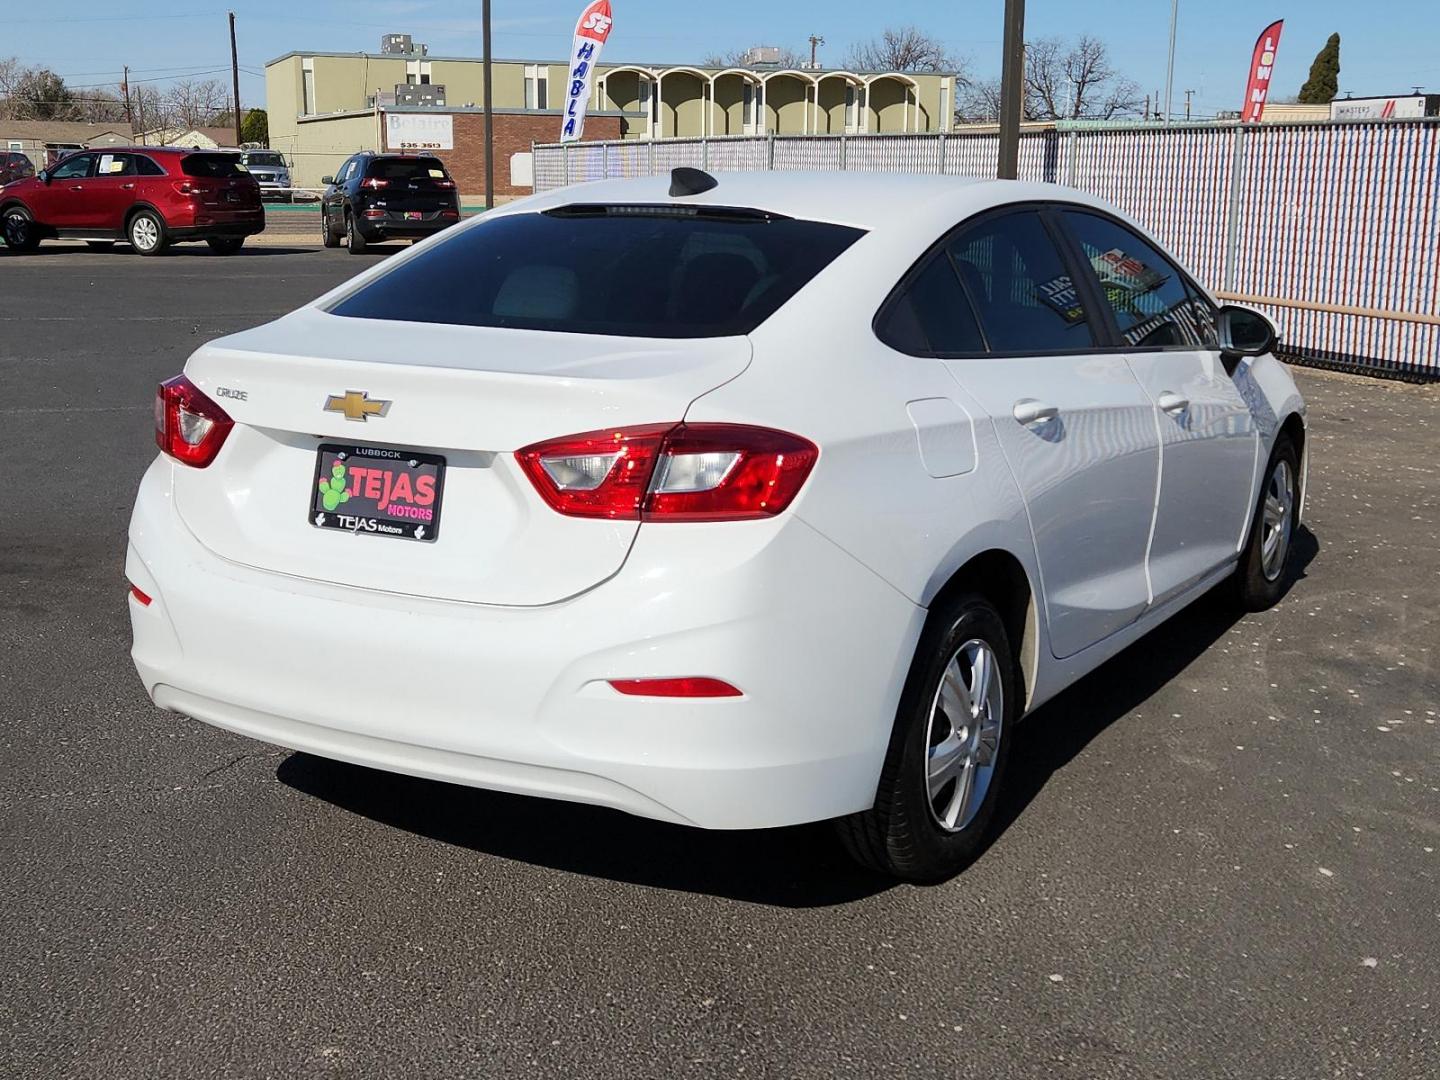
(18, 229)
(146, 233)
(226, 245)
(1263, 572)
(943, 772)
(100, 245)
(353, 239)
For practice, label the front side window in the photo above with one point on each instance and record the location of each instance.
(633, 271)
(75, 168)
(1154, 306)
(1021, 287)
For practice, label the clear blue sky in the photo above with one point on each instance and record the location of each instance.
(1388, 45)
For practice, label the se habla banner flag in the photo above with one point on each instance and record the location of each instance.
(1262, 66)
(591, 32)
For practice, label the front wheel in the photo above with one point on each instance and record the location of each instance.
(942, 776)
(226, 245)
(1263, 571)
(146, 233)
(328, 236)
(18, 229)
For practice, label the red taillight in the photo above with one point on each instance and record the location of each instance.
(374, 213)
(183, 187)
(140, 597)
(450, 213)
(188, 425)
(374, 185)
(692, 687)
(671, 472)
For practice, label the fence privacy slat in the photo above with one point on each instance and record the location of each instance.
(1335, 226)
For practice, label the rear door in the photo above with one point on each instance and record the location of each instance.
(1209, 443)
(109, 194)
(1076, 427)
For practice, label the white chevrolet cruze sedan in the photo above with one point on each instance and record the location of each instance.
(734, 501)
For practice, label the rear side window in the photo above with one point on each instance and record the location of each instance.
(1153, 304)
(418, 168)
(932, 315)
(1020, 286)
(220, 166)
(144, 166)
(635, 271)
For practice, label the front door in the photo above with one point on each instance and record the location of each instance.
(59, 202)
(1076, 427)
(1208, 439)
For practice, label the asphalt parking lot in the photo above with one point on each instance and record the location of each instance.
(1218, 857)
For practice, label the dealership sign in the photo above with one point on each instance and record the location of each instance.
(591, 32)
(419, 131)
(1262, 66)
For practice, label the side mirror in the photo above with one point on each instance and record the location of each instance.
(327, 179)
(44, 175)
(1244, 332)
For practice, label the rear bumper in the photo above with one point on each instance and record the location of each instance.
(218, 229)
(380, 229)
(516, 699)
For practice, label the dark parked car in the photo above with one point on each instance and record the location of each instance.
(377, 197)
(14, 166)
(149, 197)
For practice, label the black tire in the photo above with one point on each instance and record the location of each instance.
(328, 236)
(100, 245)
(226, 245)
(17, 227)
(1263, 573)
(353, 240)
(903, 834)
(146, 233)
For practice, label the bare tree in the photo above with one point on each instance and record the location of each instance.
(100, 107)
(979, 103)
(789, 58)
(903, 48)
(1066, 81)
(150, 109)
(196, 104)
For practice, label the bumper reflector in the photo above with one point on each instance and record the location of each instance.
(140, 596)
(693, 687)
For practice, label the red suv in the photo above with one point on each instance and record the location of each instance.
(148, 196)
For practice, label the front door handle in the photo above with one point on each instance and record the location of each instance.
(77, 187)
(1172, 402)
(1028, 411)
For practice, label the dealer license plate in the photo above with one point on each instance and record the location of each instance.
(413, 215)
(377, 491)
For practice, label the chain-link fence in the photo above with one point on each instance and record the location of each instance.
(1334, 229)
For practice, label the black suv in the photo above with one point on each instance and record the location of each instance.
(377, 197)
(14, 166)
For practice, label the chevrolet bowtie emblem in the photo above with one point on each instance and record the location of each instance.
(356, 405)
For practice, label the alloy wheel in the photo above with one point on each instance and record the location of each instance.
(144, 233)
(1277, 519)
(963, 736)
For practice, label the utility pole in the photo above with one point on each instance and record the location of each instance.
(1188, 95)
(1170, 69)
(235, 77)
(125, 89)
(489, 113)
(815, 42)
(1012, 90)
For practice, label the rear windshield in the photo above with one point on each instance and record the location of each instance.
(264, 159)
(416, 168)
(220, 165)
(658, 272)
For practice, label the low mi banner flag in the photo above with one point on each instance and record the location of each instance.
(1262, 66)
(591, 31)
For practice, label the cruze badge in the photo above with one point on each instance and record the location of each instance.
(356, 405)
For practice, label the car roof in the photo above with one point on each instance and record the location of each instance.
(874, 201)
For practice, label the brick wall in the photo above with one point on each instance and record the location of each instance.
(514, 134)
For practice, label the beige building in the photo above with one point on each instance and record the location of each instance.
(324, 106)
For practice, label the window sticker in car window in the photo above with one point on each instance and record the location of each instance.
(1060, 293)
(438, 174)
(1117, 269)
(108, 164)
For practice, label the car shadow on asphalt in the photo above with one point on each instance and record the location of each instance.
(184, 251)
(801, 867)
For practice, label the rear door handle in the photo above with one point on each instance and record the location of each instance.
(1172, 402)
(1028, 411)
(128, 187)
